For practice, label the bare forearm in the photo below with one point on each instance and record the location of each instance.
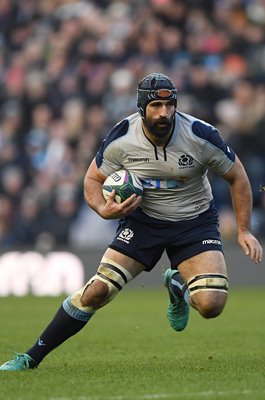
(241, 196)
(242, 203)
(93, 194)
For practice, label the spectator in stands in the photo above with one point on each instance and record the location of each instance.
(68, 72)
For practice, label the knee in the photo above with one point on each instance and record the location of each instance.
(211, 310)
(208, 293)
(209, 306)
(105, 285)
(95, 294)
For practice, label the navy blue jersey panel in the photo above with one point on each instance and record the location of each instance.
(119, 130)
(211, 135)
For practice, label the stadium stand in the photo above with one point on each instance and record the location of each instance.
(68, 72)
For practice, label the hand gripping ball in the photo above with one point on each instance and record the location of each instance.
(125, 184)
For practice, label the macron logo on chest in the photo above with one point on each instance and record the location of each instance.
(138, 159)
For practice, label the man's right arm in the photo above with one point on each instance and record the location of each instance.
(109, 209)
(93, 188)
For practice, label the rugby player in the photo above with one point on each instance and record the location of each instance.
(170, 152)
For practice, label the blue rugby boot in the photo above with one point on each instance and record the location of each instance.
(179, 308)
(19, 363)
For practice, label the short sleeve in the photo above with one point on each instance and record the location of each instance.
(216, 153)
(110, 154)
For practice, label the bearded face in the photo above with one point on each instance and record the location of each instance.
(160, 118)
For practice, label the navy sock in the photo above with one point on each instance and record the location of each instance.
(60, 329)
(179, 286)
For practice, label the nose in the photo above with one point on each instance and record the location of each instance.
(163, 111)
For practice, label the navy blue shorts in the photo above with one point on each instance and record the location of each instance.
(144, 238)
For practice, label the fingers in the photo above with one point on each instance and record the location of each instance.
(132, 200)
(112, 195)
(252, 248)
(113, 210)
(259, 255)
(131, 203)
(255, 252)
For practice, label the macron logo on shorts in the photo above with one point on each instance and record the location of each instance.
(211, 241)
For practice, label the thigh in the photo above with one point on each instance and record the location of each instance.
(207, 262)
(140, 240)
(131, 265)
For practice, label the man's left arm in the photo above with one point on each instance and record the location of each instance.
(242, 204)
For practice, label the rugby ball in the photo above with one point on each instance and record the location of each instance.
(125, 184)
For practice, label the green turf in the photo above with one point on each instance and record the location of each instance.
(129, 352)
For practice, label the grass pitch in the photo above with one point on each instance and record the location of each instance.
(129, 352)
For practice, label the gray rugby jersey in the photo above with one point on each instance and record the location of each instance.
(174, 177)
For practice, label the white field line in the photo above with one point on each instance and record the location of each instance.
(159, 396)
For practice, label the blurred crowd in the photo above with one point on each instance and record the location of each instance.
(69, 71)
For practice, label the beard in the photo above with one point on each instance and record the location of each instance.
(160, 128)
